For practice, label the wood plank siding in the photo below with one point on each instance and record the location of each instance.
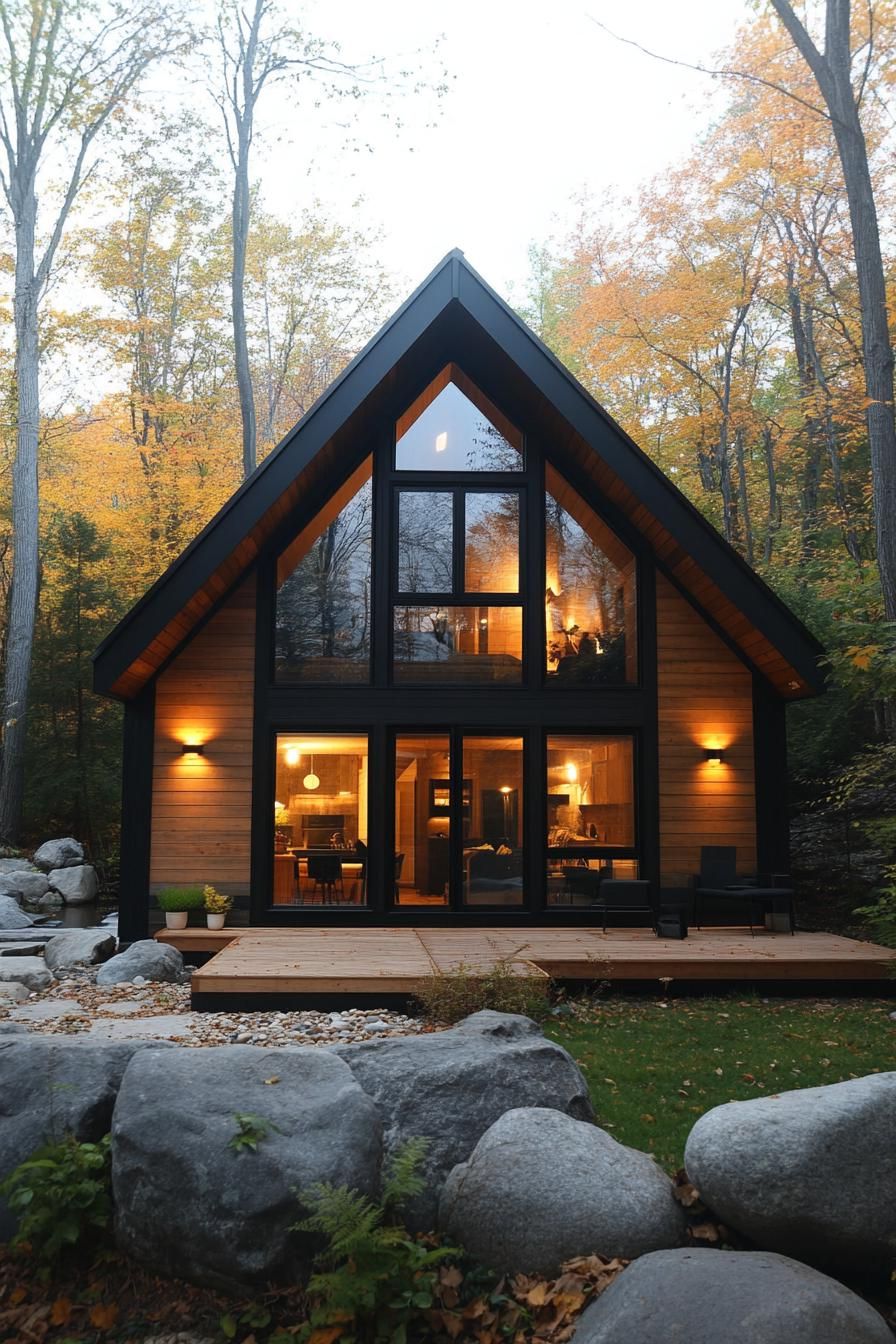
(705, 699)
(202, 805)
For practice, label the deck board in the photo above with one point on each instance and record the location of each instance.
(316, 961)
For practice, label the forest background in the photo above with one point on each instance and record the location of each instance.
(184, 327)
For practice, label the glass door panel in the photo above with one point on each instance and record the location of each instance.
(320, 820)
(493, 831)
(591, 815)
(422, 857)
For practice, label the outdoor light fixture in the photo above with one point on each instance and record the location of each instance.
(715, 755)
(192, 749)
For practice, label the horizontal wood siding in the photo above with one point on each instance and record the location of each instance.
(202, 805)
(705, 700)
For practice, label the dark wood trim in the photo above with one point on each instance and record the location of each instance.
(136, 814)
(770, 770)
(261, 859)
(647, 763)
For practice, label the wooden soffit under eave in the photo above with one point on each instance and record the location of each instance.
(755, 647)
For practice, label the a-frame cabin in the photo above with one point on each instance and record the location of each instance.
(456, 651)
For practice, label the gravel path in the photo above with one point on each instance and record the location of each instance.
(77, 1006)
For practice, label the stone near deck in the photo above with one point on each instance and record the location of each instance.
(51, 1086)
(28, 971)
(15, 865)
(449, 1087)
(76, 885)
(21, 949)
(188, 1203)
(711, 1297)
(810, 1173)
(24, 885)
(79, 947)
(12, 992)
(12, 916)
(64, 853)
(147, 958)
(541, 1188)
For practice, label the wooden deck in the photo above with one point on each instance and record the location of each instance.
(390, 962)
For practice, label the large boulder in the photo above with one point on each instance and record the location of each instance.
(541, 1188)
(449, 1087)
(65, 853)
(190, 1204)
(146, 958)
(24, 885)
(51, 1086)
(810, 1173)
(28, 971)
(11, 914)
(79, 947)
(76, 885)
(15, 865)
(707, 1297)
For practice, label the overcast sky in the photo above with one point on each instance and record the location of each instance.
(543, 106)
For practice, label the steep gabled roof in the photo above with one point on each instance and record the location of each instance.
(454, 314)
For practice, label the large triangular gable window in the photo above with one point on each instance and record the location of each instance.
(324, 591)
(453, 426)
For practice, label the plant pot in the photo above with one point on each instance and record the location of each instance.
(215, 921)
(175, 919)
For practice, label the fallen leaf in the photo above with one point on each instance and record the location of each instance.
(269, 1081)
(103, 1316)
(61, 1311)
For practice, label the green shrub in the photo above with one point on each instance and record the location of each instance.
(174, 900)
(449, 996)
(881, 916)
(60, 1195)
(374, 1279)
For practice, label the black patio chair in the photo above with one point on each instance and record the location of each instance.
(627, 896)
(581, 885)
(718, 880)
(325, 873)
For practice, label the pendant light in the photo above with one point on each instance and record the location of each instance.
(311, 780)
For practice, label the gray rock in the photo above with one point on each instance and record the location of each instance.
(541, 1188)
(80, 947)
(187, 1203)
(15, 865)
(24, 885)
(146, 959)
(449, 1087)
(707, 1297)
(12, 916)
(51, 898)
(810, 1173)
(162, 1027)
(47, 1010)
(28, 971)
(35, 933)
(51, 1086)
(21, 950)
(12, 992)
(77, 885)
(65, 853)
(8, 1028)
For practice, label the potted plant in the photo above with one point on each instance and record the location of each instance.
(177, 902)
(216, 907)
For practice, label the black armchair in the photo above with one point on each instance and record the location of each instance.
(718, 880)
(627, 897)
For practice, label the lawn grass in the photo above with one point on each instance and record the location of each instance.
(654, 1066)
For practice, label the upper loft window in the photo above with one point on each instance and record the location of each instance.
(590, 594)
(452, 426)
(323, 591)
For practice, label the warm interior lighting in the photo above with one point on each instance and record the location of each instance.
(572, 773)
(311, 781)
(714, 755)
(441, 442)
(192, 749)
(505, 788)
(292, 756)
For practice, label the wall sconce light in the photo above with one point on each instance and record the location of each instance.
(714, 755)
(192, 749)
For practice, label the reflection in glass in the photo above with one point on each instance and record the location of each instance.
(457, 644)
(422, 819)
(591, 807)
(491, 542)
(454, 427)
(493, 834)
(425, 541)
(590, 594)
(320, 820)
(323, 595)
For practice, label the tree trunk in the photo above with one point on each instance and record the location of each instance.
(773, 521)
(240, 217)
(25, 519)
(833, 75)
(746, 520)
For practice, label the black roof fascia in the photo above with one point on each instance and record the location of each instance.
(174, 588)
(455, 280)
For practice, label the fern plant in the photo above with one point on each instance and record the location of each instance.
(374, 1279)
